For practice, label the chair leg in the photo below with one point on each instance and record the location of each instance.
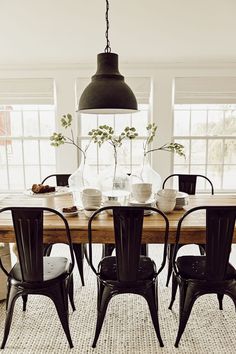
(173, 290)
(12, 296)
(107, 249)
(47, 249)
(79, 255)
(220, 299)
(170, 252)
(144, 249)
(202, 249)
(151, 297)
(71, 292)
(24, 298)
(105, 298)
(187, 299)
(59, 296)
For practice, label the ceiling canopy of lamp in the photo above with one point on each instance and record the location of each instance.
(107, 92)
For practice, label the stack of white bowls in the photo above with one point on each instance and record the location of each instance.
(166, 200)
(91, 198)
(141, 192)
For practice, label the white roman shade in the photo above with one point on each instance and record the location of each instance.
(203, 90)
(141, 87)
(26, 91)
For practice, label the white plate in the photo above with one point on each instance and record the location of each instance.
(59, 191)
(67, 215)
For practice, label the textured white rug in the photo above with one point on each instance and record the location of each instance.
(127, 327)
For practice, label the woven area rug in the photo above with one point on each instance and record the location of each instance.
(127, 327)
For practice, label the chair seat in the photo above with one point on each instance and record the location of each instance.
(194, 267)
(53, 268)
(107, 268)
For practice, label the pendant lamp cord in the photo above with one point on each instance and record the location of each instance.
(107, 48)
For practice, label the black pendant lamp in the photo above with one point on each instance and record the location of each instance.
(107, 93)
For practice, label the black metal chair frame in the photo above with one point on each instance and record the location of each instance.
(61, 179)
(128, 225)
(28, 275)
(187, 184)
(79, 248)
(213, 267)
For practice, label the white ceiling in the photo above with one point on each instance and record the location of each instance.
(141, 31)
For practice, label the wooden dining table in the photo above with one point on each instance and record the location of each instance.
(193, 230)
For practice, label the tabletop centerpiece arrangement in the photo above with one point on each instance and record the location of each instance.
(145, 172)
(113, 179)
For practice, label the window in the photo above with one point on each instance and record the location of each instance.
(208, 132)
(25, 152)
(27, 119)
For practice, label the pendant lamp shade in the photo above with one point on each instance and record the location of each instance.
(107, 93)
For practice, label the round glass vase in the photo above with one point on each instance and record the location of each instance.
(84, 176)
(114, 183)
(146, 174)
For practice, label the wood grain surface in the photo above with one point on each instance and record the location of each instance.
(193, 229)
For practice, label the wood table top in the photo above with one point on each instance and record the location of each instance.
(193, 228)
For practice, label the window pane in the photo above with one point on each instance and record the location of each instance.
(47, 123)
(31, 123)
(121, 122)
(91, 152)
(198, 123)
(181, 123)
(14, 152)
(198, 151)
(230, 151)
(106, 119)
(3, 176)
(87, 122)
(31, 152)
(47, 153)
(181, 159)
(230, 123)
(229, 177)
(215, 151)
(16, 178)
(215, 122)
(32, 175)
(137, 152)
(140, 121)
(214, 172)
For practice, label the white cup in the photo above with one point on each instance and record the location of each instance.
(166, 205)
(167, 193)
(141, 191)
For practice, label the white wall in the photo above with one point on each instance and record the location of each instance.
(163, 77)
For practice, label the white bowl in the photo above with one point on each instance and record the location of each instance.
(166, 207)
(167, 193)
(142, 191)
(88, 212)
(91, 192)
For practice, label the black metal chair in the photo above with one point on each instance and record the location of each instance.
(212, 273)
(61, 179)
(79, 249)
(127, 272)
(34, 273)
(187, 183)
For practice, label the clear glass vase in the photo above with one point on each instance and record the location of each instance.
(146, 174)
(115, 182)
(83, 177)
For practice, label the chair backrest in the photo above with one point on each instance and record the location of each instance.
(187, 182)
(28, 228)
(128, 229)
(220, 224)
(61, 179)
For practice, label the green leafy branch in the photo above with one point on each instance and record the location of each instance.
(105, 133)
(58, 139)
(170, 147)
